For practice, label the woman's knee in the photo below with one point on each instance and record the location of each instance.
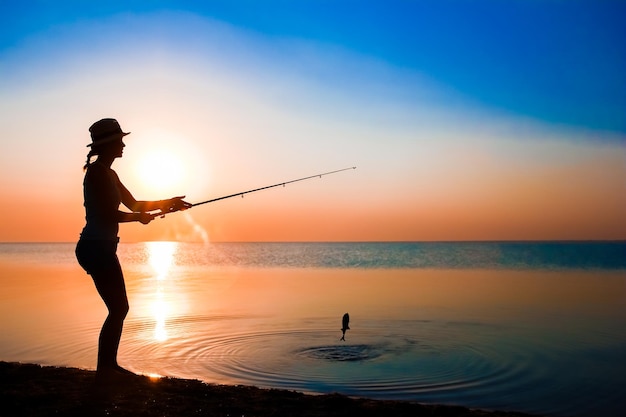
(112, 290)
(119, 310)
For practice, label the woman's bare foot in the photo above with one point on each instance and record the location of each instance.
(123, 371)
(112, 374)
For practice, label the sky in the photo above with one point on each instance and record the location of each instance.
(466, 120)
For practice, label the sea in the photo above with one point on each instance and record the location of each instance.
(534, 327)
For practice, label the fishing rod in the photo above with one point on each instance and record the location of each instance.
(242, 193)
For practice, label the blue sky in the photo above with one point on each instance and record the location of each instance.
(468, 120)
(558, 61)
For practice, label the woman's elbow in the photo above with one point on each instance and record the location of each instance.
(134, 206)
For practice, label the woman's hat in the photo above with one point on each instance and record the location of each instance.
(104, 131)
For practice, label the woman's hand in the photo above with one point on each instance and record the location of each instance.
(174, 204)
(144, 218)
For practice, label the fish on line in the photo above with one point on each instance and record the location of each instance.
(345, 321)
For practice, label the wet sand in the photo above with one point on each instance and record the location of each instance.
(34, 390)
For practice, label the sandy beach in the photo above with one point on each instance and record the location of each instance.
(34, 390)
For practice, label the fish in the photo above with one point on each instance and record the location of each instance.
(344, 325)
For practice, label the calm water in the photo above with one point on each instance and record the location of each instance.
(533, 327)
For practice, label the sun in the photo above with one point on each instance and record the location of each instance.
(162, 164)
(161, 171)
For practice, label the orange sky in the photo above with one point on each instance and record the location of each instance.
(581, 201)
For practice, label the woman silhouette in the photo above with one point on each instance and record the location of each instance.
(97, 246)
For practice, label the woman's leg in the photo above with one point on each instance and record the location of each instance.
(99, 259)
(110, 285)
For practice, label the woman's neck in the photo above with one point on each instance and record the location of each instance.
(104, 160)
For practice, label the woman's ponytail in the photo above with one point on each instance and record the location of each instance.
(89, 156)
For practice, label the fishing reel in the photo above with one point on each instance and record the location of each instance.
(172, 205)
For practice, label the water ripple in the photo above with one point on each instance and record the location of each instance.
(382, 364)
(474, 364)
(342, 352)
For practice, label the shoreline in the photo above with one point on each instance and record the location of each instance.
(32, 390)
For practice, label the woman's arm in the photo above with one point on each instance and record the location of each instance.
(139, 206)
(145, 218)
(135, 205)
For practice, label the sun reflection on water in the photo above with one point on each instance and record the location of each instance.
(161, 258)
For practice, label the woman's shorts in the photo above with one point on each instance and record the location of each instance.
(97, 255)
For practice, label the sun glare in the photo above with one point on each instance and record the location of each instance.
(161, 169)
(163, 164)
